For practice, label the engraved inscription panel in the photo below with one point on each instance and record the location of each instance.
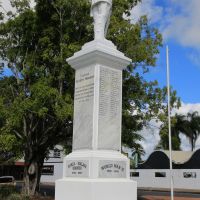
(112, 169)
(78, 168)
(83, 108)
(110, 93)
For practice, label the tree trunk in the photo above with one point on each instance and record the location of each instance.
(192, 142)
(34, 158)
(32, 173)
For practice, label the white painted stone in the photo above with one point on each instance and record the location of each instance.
(98, 185)
(96, 169)
(98, 96)
(96, 189)
(101, 12)
(83, 108)
(102, 52)
(94, 160)
(109, 128)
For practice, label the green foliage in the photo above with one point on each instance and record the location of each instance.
(132, 164)
(7, 142)
(36, 101)
(164, 138)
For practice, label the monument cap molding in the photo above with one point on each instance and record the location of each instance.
(98, 52)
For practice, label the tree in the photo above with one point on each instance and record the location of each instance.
(176, 123)
(189, 125)
(37, 98)
(177, 126)
(192, 128)
(37, 114)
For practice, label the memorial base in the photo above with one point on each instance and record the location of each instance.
(96, 175)
(95, 189)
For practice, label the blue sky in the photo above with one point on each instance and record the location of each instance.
(179, 22)
(184, 74)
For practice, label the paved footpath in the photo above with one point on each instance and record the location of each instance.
(166, 198)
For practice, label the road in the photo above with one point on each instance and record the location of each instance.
(143, 194)
(49, 190)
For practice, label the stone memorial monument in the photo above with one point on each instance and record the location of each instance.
(96, 169)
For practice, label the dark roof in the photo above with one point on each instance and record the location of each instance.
(160, 160)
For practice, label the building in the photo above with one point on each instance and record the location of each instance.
(155, 171)
(51, 171)
(53, 166)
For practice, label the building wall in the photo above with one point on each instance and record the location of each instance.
(147, 179)
(57, 173)
(53, 166)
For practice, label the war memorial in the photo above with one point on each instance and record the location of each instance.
(96, 169)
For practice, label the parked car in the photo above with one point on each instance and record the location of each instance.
(7, 180)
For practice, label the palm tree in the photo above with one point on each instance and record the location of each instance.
(136, 154)
(178, 124)
(133, 143)
(193, 128)
(188, 124)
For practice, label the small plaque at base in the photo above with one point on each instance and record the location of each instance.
(77, 168)
(112, 169)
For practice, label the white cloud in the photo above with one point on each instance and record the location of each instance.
(182, 24)
(188, 107)
(151, 137)
(148, 8)
(185, 144)
(194, 56)
(6, 6)
(178, 20)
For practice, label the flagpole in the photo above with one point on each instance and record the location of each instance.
(169, 125)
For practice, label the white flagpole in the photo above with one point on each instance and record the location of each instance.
(169, 125)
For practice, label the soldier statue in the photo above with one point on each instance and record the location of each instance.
(101, 12)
